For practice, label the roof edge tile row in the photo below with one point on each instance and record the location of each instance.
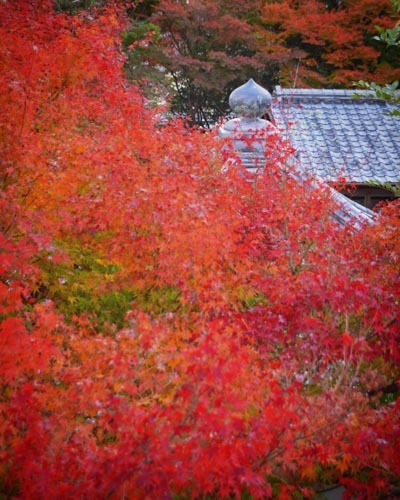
(353, 95)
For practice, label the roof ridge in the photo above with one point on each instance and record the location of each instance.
(345, 94)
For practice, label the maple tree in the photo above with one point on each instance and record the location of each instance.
(198, 52)
(332, 45)
(201, 51)
(166, 326)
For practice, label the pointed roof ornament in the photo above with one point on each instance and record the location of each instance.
(248, 133)
(250, 100)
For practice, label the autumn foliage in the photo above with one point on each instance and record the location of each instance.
(199, 51)
(168, 327)
(330, 45)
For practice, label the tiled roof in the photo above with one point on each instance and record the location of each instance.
(337, 135)
(346, 211)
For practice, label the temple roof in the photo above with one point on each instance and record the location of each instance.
(337, 135)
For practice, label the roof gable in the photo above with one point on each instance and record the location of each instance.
(337, 135)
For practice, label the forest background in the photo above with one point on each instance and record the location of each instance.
(167, 328)
(195, 53)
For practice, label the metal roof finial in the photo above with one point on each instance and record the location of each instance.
(249, 134)
(250, 100)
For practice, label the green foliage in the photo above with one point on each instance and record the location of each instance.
(157, 300)
(80, 284)
(389, 398)
(87, 284)
(138, 32)
(396, 5)
(386, 185)
(145, 61)
(390, 36)
(253, 300)
(390, 92)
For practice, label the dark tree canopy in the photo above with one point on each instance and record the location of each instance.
(206, 50)
(201, 51)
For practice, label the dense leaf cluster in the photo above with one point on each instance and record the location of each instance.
(168, 327)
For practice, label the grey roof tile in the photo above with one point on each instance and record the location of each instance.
(336, 134)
